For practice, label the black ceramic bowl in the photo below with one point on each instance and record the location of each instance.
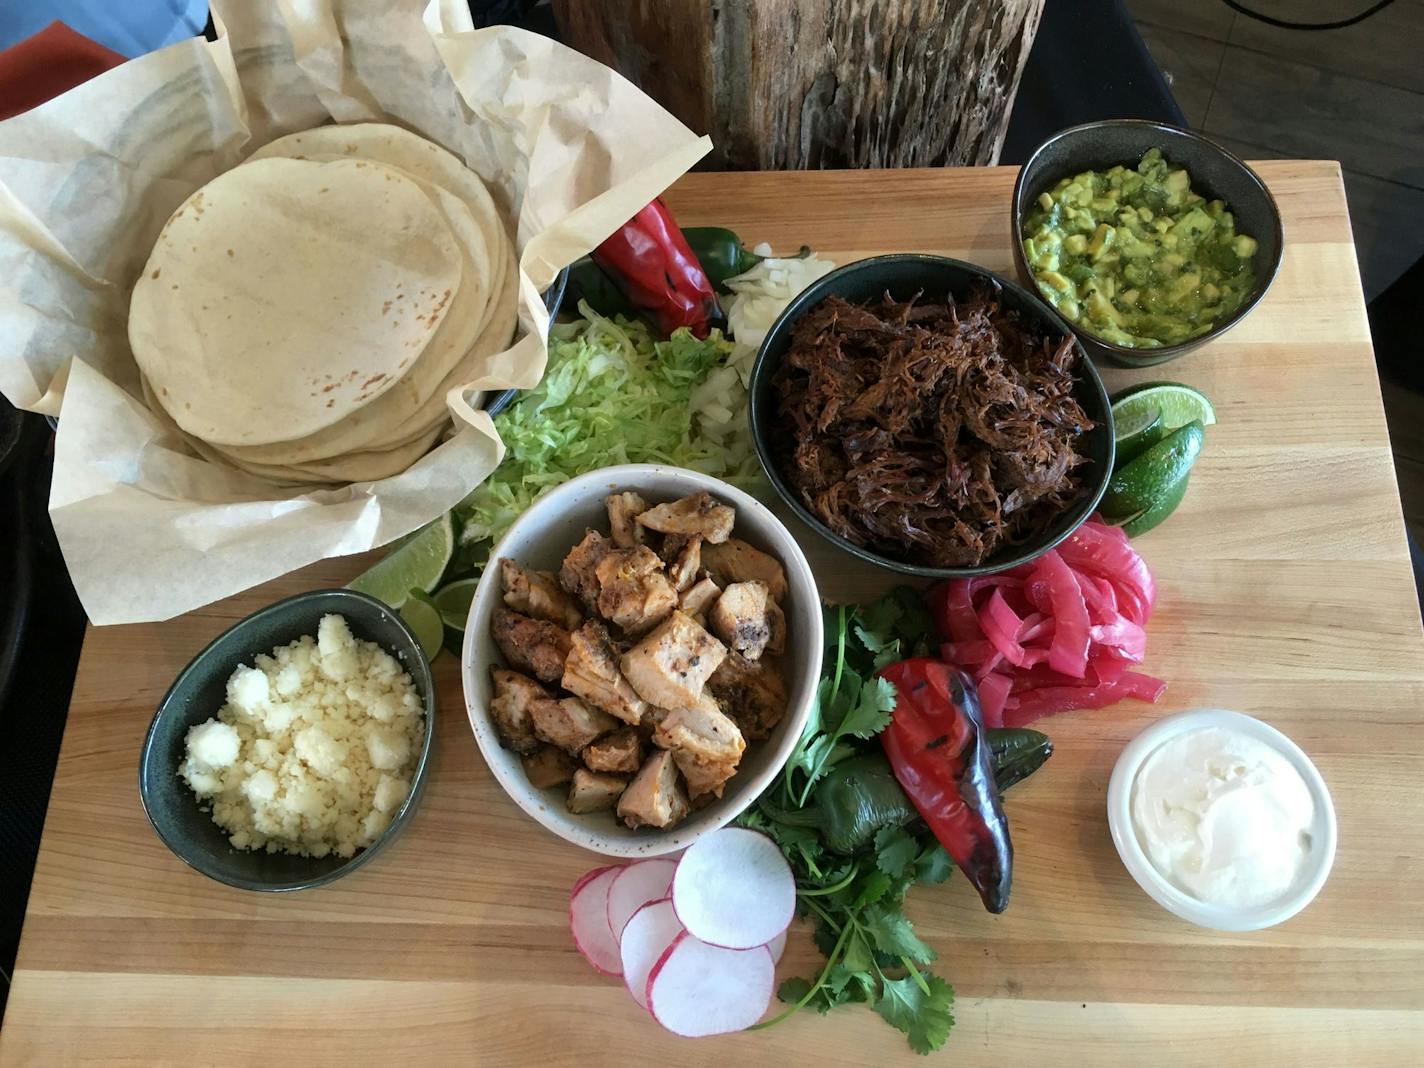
(199, 692)
(902, 276)
(1215, 173)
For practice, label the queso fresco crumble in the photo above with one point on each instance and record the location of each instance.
(313, 750)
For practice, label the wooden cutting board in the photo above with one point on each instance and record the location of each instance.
(1285, 592)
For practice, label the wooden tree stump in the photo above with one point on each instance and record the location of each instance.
(802, 84)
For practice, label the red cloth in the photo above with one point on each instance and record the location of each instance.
(51, 62)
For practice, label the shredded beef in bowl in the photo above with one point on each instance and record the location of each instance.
(933, 431)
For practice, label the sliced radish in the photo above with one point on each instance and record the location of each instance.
(635, 886)
(588, 919)
(776, 947)
(646, 937)
(583, 880)
(733, 888)
(695, 989)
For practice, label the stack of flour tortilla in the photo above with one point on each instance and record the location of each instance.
(303, 315)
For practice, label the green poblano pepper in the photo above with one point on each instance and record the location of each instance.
(856, 800)
(860, 797)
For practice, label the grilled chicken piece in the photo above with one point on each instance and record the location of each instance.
(703, 731)
(514, 696)
(670, 666)
(619, 752)
(538, 594)
(532, 645)
(578, 573)
(736, 561)
(623, 510)
(699, 598)
(702, 779)
(594, 791)
(699, 513)
(655, 797)
(548, 766)
(683, 557)
(705, 744)
(741, 620)
(633, 591)
(591, 672)
(570, 724)
(777, 619)
(751, 692)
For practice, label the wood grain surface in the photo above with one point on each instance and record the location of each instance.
(1285, 593)
(894, 83)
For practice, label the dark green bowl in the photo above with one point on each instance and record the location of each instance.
(199, 692)
(1215, 173)
(902, 276)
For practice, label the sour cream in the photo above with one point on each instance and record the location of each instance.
(1223, 817)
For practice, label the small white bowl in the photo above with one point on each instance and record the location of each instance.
(1221, 918)
(541, 538)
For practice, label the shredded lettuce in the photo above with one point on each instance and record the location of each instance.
(612, 394)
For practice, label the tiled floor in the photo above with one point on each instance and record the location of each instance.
(1356, 95)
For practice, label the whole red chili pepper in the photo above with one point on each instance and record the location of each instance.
(650, 261)
(937, 748)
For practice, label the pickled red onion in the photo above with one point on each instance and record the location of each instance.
(1055, 634)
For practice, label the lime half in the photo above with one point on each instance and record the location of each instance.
(1143, 429)
(1176, 403)
(414, 564)
(453, 601)
(1139, 485)
(1164, 506)
(423, 618)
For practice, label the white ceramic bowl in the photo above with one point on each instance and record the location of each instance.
(540, 538)
(1322, 855)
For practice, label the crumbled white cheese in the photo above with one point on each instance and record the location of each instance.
(387, 749)
(213, 744)
(313, 751)
(248, 691)
(390, 792)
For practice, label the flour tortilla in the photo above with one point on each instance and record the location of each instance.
(394, 147)
(268, 307)
(354, 467)
(495, 338)
(388, 457)
(385, 458)
(369, 466)
(432, 417)
(393, 411)
(462, 348)
(424, 426)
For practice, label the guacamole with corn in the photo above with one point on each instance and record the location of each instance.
(1135, 257)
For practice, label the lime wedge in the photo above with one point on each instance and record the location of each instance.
(423, 618)
(1177, 404)
(414, 564)
(1164, 506)
(453, 601)
(1133, 437)
(1141, 484)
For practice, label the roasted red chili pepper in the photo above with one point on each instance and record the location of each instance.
(649, 260)
(937, 748)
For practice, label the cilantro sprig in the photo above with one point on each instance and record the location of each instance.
(851, 702)
(856, 904)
